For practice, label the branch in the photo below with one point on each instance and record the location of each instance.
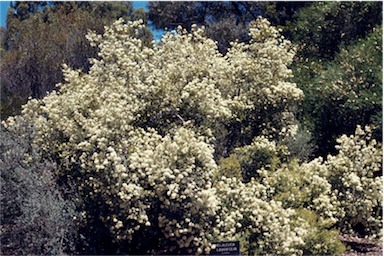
(248, 10)
(177, 115)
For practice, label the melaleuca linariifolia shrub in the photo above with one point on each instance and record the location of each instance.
(259, 82)
(303, 186)
(175, 173)
(355, 174)
(36, 216)
(136, 132)
(345, 191)
(319, 239)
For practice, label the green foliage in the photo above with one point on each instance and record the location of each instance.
(245, 162)
(23, 10)
(320, 241)
(229, 167)
(322, 28)
(347, 93)
(224, 22)
(281, 13)
(26, 9)
(339, 69)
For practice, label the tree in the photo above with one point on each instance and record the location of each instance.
(40, 38)
(328, 63)
(322, 28)
(225, 22)
(347, 93)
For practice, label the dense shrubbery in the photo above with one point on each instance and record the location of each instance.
(36, 214)
(141, 132)
(343, 192)
(321, 29)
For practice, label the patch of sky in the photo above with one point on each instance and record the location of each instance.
(157, 33)
(3, 12)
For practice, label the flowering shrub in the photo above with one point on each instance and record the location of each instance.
(173, 175)
(306, 189)
(258, 81)
(355, 174)
(302, 190)
(136, 132)
(345, 191)
(319, 240)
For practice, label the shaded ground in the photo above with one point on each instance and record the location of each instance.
(361, 246)
(356, 246)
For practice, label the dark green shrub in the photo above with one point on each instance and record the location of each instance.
(347, 93)
(245, 162)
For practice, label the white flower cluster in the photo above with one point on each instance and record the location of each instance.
(345, 191)
(260, 143)
(260, 69)
(263, 225)
(176, 174)
(356, 175)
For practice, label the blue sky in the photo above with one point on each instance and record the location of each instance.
(3, 12)
(136, 4)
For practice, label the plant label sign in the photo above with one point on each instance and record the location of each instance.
(226, 248)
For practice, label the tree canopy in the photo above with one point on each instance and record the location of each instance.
(42, 36)
(225, 22)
